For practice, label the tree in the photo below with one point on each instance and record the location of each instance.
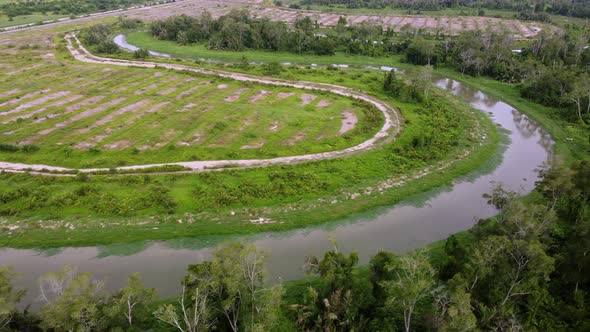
(339, 304)
(194, 314)
(227, 293)
(421, 52)
(341, 24)
(459, 315)
(9, 297)
(73, 302)
(580, 96)
(509, 267)
(133, 295)
(422, 82)
(392, 84)
(305, 24)
(414, 278)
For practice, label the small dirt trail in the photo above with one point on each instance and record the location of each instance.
(388, 131)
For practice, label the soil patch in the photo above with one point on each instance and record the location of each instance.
(124, 144)
(153, 109)
(36, 102)
(129, 108)
(145, 89)
(274, 126)
(349, 121)
(306, 99)
(236, 95)
(261, 95)
(43, 109)
(323, 103)
(9, 93)
(82, 115)
(283, 95)
(295, 139)
(72, 108)
(257, 145)
(28, 95)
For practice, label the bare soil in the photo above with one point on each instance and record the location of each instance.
(306, 99)
(349, 121)
(323, 103)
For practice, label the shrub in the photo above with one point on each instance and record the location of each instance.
(108, 47)
(159, 196)
(141, 54)
(8, 148)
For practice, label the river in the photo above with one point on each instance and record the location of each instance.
(419, 221)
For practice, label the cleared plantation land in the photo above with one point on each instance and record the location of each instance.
(436, 23)
(444, 24)
(81, 115)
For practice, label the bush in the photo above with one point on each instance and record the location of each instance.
(159, 196)
(16, 148)
(8, 148)
(141, 54)
(107, 47)
(96, 34)
(272, 69)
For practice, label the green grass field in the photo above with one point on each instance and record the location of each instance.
(100, 116)
(143, 39)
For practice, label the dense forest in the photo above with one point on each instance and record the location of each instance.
(527, 269)
(525, 8)
(553, 69)
(66, 7)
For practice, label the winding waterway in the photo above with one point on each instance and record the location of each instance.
(398, 228)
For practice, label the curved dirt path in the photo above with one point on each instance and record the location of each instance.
(389, 130)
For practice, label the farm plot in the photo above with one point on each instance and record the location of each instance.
(64, 113)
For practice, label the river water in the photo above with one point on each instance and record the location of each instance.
(399, 228)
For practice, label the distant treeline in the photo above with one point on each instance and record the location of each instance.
(577, 8)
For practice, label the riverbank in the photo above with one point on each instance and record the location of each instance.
(391, 183)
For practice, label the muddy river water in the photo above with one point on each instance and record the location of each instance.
(419, 221)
